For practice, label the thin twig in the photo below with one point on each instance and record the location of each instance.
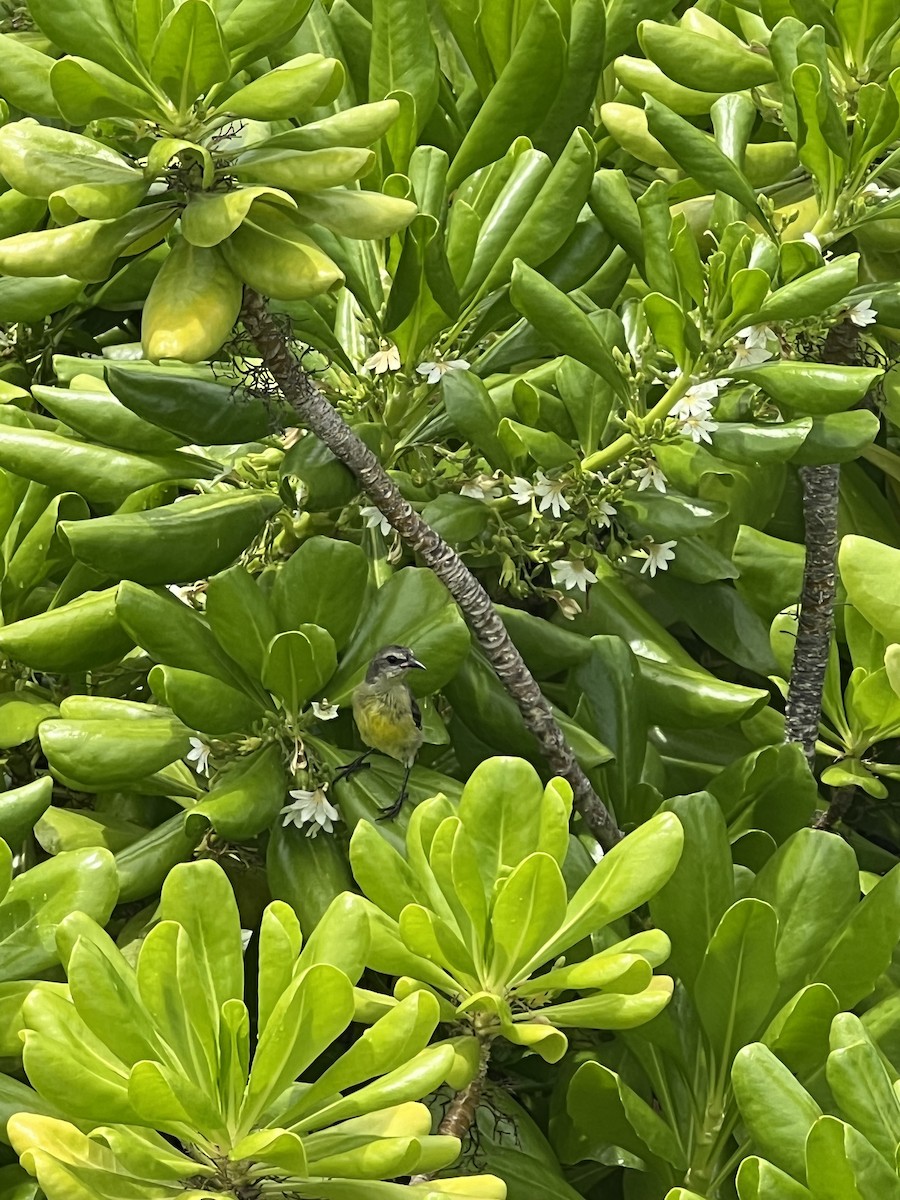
(841, 802)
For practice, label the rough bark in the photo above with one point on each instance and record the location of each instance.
(820, 513)
(804, 702)
(318, 415)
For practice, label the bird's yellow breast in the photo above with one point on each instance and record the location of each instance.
(385, 722)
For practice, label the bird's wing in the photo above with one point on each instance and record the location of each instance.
(415, 710)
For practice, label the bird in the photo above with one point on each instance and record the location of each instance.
(387, 716)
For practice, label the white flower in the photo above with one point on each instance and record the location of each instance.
(812, 240)
(747, 355)
(383, 360)
(658, 555)
(755, 336)
(698, 400)
(375, 519)
(607, 510)
(572, 574)
(862, 314)
(521, 490)
(246, 935)
(199, 755)
(551, 493)
(325, 711)
(698, 428)
(650, 476)
(875, 191)
(482, 487)
(310, 808)
(434, 371)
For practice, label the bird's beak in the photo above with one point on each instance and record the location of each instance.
(414, 662)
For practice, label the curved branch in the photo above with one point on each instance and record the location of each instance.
(314, 410)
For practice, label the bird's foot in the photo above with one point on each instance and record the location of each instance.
(350, 769)
(391, 810)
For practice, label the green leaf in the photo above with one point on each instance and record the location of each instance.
(695, 61)
(472, 410)
(101, 417)
(240, 617)
(737, 982)
(244, 800)
(174, 544)
(39, 899)
(298, 665)
(626, 877)
(105, 754)
(759, 1180)
(862, 1085)
(90, 29)
(518, 102)
(25, 77)
(174, 634)
(86, 91)
(314, 1010)
(814, 388)
(198, 896)
(323, 583)
(403, 59)
(528, 909)
(205, 703)
(289, 91)
(699, 156)
(603, 1107)
(20, 715)
(690, 906)
(841, 1163)
(559, 319)
(22, 807)
(777, 1111)
(811, 293)
(196, 409)
(189, 55)
(865, 565)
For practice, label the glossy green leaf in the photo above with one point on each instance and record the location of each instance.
(244, 800)
(814, 388)
(79, 635)
(323, 583)
(177, 543)
(691, 904)
(107, 754)
(865, 565)
(189, 55)
(737, 982)
(204, 703)
(560, 320)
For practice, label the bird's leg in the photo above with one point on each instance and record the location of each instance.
(359, 764)
(390, 810)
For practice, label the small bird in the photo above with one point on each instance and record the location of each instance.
(387, 715)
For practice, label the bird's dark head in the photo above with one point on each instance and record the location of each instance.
(392, 663)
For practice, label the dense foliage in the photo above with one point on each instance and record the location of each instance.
(613, 334)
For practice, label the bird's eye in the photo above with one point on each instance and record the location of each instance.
(392, 660)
